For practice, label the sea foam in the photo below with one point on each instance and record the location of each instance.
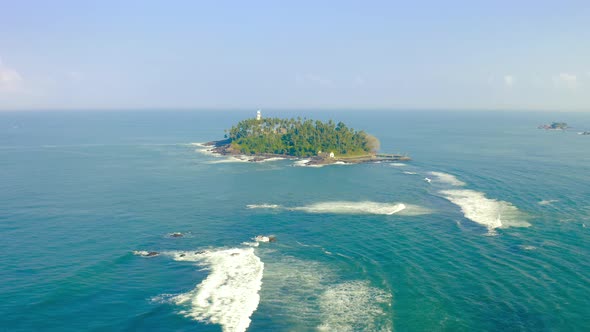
(343, 207)
(547, 201)
(230, 293)
(263, 206)
(308, 295)
(485, 211)
(346, 207)
(355, 306)
(448, 179)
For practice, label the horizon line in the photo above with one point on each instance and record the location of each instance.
(317, 109)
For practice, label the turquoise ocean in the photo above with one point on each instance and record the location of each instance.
(497, 238)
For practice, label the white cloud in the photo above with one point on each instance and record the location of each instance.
(509, 80)
(10, 79)
(566, 80)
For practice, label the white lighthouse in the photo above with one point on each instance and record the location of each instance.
(258, 115)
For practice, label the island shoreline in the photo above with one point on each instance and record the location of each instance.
(224, 148)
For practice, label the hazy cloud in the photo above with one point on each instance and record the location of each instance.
(566, 80)
(10, 79)
(509, 80)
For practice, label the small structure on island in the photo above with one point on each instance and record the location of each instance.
(332, 155)
(258, 115)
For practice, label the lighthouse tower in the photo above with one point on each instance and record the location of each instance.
(258, 115)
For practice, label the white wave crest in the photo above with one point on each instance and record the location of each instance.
(355, 306)
(527, 247)
(485, 211)
(414, 210)
(263, 206)
(301, 162)
(230, 159)
(271, 159)
(410, 173)
(343, 207)
(448, 179)
(229, 295)
(548, 201)
(398, 164)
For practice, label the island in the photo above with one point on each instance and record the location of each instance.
(314, 142)
(554, 126)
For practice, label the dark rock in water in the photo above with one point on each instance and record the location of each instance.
(176, 235)
(235, 253)
(264, 238)
(199, 252)
(152, 253)
(182, 255)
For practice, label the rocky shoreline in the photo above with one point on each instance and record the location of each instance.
(223, 147)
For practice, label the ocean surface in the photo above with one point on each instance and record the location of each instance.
(497, 238)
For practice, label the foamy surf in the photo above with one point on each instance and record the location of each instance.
(548, 201)
(346, 207)
(260, 239)
(304, 163)
(488, 212)
(307, 295)
(230, 159)
(230, 294)
(355, 306)
(343, 207)
(263, 206)
(447, 178)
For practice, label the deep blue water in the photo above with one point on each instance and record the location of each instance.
(79, 192)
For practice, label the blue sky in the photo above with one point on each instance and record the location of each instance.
(295, 54)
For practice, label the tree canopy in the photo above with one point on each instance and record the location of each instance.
(300, 138)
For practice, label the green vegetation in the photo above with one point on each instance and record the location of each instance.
(559, 125)
(299, 138)
(555, 126)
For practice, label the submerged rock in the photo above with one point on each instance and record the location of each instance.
(146, 253)
(176, 234)
(265, 238)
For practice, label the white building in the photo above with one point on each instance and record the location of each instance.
(258, 115)
(331, 154)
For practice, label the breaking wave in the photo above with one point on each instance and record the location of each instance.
(230, 159)
(230, 294)
(355, 306)
(263, 206)
(447, 178)
(346, 207)
(548, 201)
(488, 212)
(204, 149)
(303, 163)
(343, 207)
